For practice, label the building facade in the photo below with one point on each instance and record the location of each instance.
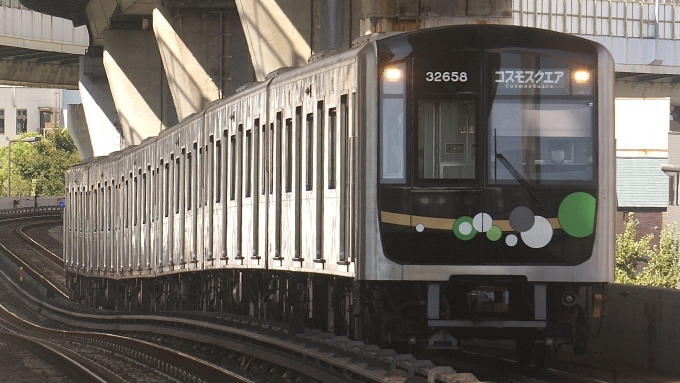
(32, 110)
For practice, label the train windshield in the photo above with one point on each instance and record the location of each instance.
(541, 122)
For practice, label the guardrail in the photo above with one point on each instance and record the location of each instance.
(29, 210)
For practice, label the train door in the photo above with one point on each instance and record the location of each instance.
(447, 133)
(446, 155)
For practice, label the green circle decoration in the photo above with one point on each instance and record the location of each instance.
(577, 214)
(466, 223)
(494, 233)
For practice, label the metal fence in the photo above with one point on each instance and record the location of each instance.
(615, 18)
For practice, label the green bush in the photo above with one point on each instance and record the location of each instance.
(662, 267)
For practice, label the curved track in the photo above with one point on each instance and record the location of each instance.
(27, 254)
(324, 356)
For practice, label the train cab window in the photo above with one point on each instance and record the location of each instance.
(393, 125)
(542, 119)
(446, 139)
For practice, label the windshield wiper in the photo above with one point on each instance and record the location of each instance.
(518, 176)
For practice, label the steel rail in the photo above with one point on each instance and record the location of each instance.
(28, 268)
(183, 366)
(74, 370)
(42, 249)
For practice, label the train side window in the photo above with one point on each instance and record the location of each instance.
(225, 165)
(278, 144)
(256, 154)
(232, 170)
(166, 188)
(187, 185)
(263, 149)
(127, 199)
(320, 115)
(332, 128)
(289, 154)
(134, 201)
(109, 204)
(96, 203)
(144, 192)
(210, 170)
(249, 162)
(178, 174)
(102, 207)
(218, 171)
(200, 179)
(309, 179)
(206, 157)
(298, 149)
(270, 144)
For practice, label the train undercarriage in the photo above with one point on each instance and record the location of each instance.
(387, 313)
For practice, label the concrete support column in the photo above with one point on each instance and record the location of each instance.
(185, 51)
(134, 69)
(277, 32)
(98, 134)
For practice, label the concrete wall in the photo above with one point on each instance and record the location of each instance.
(640, 327)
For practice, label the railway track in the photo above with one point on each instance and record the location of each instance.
(264, 344)
(35, 260)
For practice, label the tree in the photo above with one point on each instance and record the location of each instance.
(630, 251)
(663, 268)
(39, 168)
(662, 261)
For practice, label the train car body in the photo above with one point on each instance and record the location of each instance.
(459, 179)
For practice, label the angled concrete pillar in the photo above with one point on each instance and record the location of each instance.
(98, 134)
(276, 33)
(185, 53)
(133, 67)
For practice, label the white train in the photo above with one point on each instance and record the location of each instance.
(454, 181)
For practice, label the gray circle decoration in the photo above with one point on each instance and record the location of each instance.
(522, 219)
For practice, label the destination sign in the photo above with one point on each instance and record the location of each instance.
(529, 79)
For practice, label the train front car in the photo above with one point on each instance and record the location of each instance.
(495, 189)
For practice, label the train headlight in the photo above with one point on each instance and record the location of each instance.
(393, 74)
(581, 76)
(393, 79)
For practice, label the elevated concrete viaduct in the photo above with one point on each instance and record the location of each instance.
(151, 63)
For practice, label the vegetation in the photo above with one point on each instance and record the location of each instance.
(38, 168)
(662, 267)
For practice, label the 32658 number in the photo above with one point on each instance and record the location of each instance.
(446, 76)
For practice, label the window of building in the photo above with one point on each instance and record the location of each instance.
(2, 121)
(21, 121)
